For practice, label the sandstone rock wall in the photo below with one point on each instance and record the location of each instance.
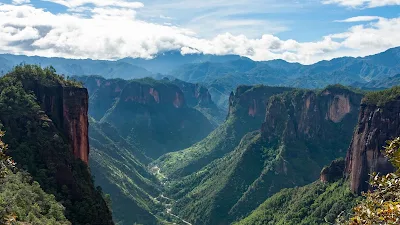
(67, 108)
(376, 125)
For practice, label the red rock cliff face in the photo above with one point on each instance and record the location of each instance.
(376, 125)
(195, 94)
(75, 114)
(251, 102)
(308, 114)
(68, 109)
(145, 94)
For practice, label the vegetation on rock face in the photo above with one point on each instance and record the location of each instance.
(382, 204)
(40, 148)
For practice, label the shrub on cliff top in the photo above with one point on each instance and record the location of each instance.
(380, 98)
(45, 75)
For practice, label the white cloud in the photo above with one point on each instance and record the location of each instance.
(100, 3)
(359, 19)
(362, 3)
(20, 2)
(111, 33)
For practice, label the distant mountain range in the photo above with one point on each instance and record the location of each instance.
(222, 74)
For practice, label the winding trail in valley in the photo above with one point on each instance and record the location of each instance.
(168, 208)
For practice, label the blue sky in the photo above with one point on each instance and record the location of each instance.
(302, 31)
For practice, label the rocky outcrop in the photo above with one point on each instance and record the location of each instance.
(339, 108)
(67, 107)
(333, 172)
(252, 101)
(195, 94)
(376, 125)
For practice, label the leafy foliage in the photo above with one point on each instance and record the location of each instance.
(6, 163)
(23, 200)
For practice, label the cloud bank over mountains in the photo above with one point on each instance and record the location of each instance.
(100, 29)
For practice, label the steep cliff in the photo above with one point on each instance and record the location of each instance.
(67, 107)
(102, 93)
(379, 121)
(45, 119)
(195, 94)
(75, 116)
(303, 131)
(199, 97)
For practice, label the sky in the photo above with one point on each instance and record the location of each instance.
(304, 31)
